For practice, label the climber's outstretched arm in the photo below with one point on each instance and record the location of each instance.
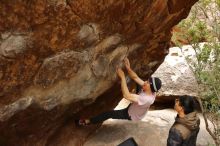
(126, 94)
(132, 74)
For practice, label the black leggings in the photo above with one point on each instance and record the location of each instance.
(114, 114)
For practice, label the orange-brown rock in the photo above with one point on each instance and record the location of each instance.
(58, 59)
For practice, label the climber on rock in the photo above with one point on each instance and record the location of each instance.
(140, 103)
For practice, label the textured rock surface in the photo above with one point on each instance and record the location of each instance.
(176, 75)
(58, 59)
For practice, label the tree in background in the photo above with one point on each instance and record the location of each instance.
(203, 25)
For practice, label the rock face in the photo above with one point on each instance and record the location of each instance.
(176, 75)
(58, 59)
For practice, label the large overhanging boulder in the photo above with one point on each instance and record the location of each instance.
(58, 59)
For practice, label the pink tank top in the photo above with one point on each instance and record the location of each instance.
(138, 110)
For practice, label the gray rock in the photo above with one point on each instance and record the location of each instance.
(176, 75)
(13, 45)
